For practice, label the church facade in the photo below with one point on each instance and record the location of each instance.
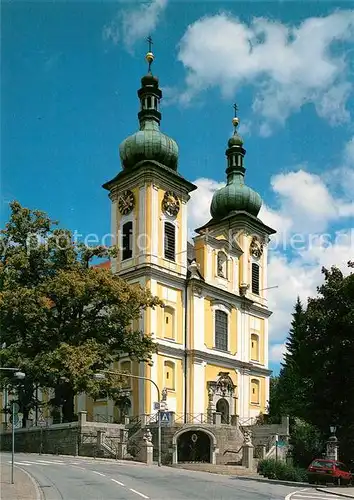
(212, 334)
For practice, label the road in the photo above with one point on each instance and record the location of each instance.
(312, 494)
(68, 478)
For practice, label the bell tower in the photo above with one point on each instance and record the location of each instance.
(149, 220)
(149, 196)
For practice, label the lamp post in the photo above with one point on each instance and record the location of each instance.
(100, 376)
(19, 376)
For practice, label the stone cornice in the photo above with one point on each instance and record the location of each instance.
(151, 172)
(230, 363)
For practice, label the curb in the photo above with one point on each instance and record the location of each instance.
(274, 481)
(37, 488)
(324, 490)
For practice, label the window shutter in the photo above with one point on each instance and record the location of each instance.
(255, 278)
(170, 241)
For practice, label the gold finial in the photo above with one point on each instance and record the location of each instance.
(149, 56)
(235, 120)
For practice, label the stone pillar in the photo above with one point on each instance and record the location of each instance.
(247, 456)
(146, 453)
(234, 420)
(262, 451)
(100, 435)
(332, 448)
(217, 418)
(82, 415)
(147, 449)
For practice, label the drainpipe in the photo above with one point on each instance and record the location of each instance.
(185, 348)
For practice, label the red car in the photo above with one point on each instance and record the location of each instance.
(322, 470)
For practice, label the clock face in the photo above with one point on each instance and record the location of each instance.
(170, 204)
(126, 202)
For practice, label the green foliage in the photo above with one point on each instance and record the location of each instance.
(316, 382)
(275, 469)
(306, 443)
(62, 319)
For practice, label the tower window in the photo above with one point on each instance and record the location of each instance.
(170, 241)
(221, 330)
(254, 391)
(170, 375)
(255, 278)
(149, 100)
(127, 241)
(169, 315)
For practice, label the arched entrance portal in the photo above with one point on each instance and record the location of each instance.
(222, 406)
(193, 446)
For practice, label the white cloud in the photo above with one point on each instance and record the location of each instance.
(289, 65)
(132, 24)
(199, 204)
(308, 207)
(276, 353)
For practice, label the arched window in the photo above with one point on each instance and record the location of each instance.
(169, 375)
(127, 240)
(170, 241)
(255, 391)
(255, 278)
(254, 347)
(169, 323)
(221, 330)
(222, 265)
(125, 366)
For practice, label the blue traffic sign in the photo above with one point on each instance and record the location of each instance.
(165, 417)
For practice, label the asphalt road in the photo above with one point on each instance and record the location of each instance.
(67, 478)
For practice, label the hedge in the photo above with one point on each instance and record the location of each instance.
(273, 469)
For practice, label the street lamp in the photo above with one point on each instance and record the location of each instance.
(101, 376)
(332, 429)
(19, 376)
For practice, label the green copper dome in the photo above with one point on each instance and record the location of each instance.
(149, 143)
(235, 196)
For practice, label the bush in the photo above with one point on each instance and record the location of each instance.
(273, 469)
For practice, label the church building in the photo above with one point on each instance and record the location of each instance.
(212, 334)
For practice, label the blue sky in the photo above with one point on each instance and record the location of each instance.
(70, 72)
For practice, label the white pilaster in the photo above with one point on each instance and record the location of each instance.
(246, 394)
(199, 387)
(114, 233)
(155, 220)
(266, 343)
(141, 232)
(198, 326)
(184, 229)
(154, 377)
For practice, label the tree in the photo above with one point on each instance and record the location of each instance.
(287, 390)
(316, 382)
(62, 319)
(330, 340)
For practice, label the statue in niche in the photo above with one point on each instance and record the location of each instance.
(221, 264)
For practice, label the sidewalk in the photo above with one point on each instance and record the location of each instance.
(342, 492)
(24, 487)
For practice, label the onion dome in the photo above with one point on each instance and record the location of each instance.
(235, 196)
(149, 143)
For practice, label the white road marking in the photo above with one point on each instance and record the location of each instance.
(310, 495)
(22, 463)
(50, 462)
(99, 473)
(115, 481)
(138, 493)
(77, 467)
